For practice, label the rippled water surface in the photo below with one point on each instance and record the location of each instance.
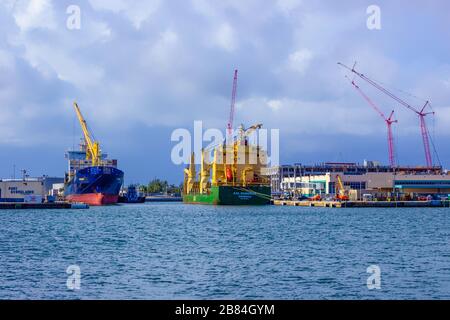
(176, 251)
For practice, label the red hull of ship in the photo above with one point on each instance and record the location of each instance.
(94, 199)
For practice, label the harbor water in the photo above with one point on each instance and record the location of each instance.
(176, 251)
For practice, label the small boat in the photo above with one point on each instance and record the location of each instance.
(131, 195)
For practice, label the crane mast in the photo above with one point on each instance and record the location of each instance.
(420, 113)
(92, 147)
(389, 121)
(233, 101)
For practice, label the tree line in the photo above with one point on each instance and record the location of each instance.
(160, 186)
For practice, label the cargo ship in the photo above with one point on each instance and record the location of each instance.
(92, 178)
(235, 176)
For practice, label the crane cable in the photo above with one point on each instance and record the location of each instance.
(400, 90)
(432, 138)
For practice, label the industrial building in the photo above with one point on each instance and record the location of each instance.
(26, 189)
(369, 178)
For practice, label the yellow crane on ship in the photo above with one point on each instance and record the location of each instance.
(231, 165)
(247, 132)
(93, 152)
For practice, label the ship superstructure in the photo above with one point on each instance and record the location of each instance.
(235, 176)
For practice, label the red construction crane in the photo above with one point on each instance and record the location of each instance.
(421, 113)
(233, 100)
(389, 121)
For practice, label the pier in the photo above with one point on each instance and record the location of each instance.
(365, 204)
(49, 205)
(163, 199)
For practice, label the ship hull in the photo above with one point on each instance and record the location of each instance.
(94, 199)
(229, 195)
(96, 186)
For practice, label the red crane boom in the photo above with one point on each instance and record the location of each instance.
(389, 121)
(421, 114)
(233, 101)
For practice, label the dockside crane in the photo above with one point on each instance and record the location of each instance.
(388, 120)
(341, 192)
(92, 146)
(233, 101)
(421, 113)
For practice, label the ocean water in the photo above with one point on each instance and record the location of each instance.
(176, 251)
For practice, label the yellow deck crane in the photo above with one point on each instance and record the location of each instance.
(341, 193)
(189, 175)
(234, 163)
(93, 152)
(248, 171)
(245, 133)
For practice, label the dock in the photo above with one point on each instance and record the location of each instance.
(294, 203)
(49, 205)
(365, 204)
(163, 199)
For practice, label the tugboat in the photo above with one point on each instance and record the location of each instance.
(92, 178)
(236, 182)
(131, 195)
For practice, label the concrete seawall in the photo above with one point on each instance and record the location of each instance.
(364, 204)
(55, 205)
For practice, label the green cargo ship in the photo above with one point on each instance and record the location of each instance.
(236, 174)
(229, 195)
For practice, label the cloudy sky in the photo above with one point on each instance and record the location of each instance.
(140, 69)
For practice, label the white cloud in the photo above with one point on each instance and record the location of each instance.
(300, 60)
(62, 55)
(34, 14)
(6, 60)
(300, 116)
(98, 32)
(442, 120)
(115, 6)
(275, 105)
(217, 10)
(163, 52)
(136, 11)
(204, 7)
(225, 37)
(177, 68)
(49, 60)
(286, 6)
(447, 83)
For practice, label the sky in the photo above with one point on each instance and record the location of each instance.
(141, 69)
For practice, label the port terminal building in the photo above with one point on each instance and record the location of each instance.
(27, 189)
(370, 177)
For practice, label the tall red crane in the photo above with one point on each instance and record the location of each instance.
(388, 120)
(233, 101)
(420, 113)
